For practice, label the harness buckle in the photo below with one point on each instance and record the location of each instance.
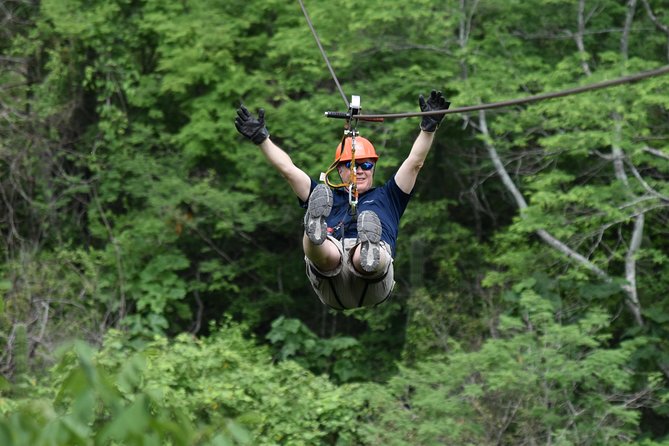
(352, 198)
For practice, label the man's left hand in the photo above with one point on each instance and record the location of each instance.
(435, 102)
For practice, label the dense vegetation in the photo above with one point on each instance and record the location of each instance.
(152, 277)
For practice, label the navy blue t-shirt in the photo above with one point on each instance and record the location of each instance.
(387, 201)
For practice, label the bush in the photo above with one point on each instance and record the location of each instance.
(222, 389)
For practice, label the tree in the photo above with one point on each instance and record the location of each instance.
(542, 381)
(569, 205)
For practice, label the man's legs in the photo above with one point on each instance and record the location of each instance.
(368, 257)
(346, 287)
(325, 257)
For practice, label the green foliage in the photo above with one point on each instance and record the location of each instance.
(221, 390)
(339, 356)
(48, 300)
(228, 377)
(443, 261)
(86, 407)
(539, 382)
(20, 352)
(128, 201)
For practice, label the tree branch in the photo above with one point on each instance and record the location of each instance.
(497, 162)
(630, 269)
(629, 17)
(644, 184)
(578, 37)
(656, 152)
(659, 25)
(522, 205)
(637, 233)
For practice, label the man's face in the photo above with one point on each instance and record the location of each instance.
(364, 178)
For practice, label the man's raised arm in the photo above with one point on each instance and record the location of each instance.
(255, 130)
(408, 172)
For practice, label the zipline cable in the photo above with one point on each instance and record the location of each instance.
(538, 97)
(470, 108)
(325, 57)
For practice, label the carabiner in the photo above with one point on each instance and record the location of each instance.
(353, 197)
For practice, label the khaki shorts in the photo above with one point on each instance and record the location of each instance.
(344, 287)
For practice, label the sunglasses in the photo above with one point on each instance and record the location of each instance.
(367, 165)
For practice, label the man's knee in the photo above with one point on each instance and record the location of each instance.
(325, 257)
(381, 268)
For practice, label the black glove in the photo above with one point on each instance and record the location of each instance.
(254, 129)
(436, 101)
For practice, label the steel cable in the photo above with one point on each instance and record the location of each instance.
(538, 97)
(470, 108)
(325, 57)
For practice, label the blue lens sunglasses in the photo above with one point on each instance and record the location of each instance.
(367, 165)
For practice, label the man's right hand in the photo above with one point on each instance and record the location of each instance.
(252, 128)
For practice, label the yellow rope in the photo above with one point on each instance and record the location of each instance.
(352, 184)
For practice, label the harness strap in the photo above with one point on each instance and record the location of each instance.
(336, 295)
(369, 282)
(384, 299)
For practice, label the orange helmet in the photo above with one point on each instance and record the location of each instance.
(363, 149)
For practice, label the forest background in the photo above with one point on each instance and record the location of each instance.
(152, 278)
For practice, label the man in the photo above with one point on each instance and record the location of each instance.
(350, 257)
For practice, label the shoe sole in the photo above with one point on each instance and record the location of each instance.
(369, 235)
(320, 205)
